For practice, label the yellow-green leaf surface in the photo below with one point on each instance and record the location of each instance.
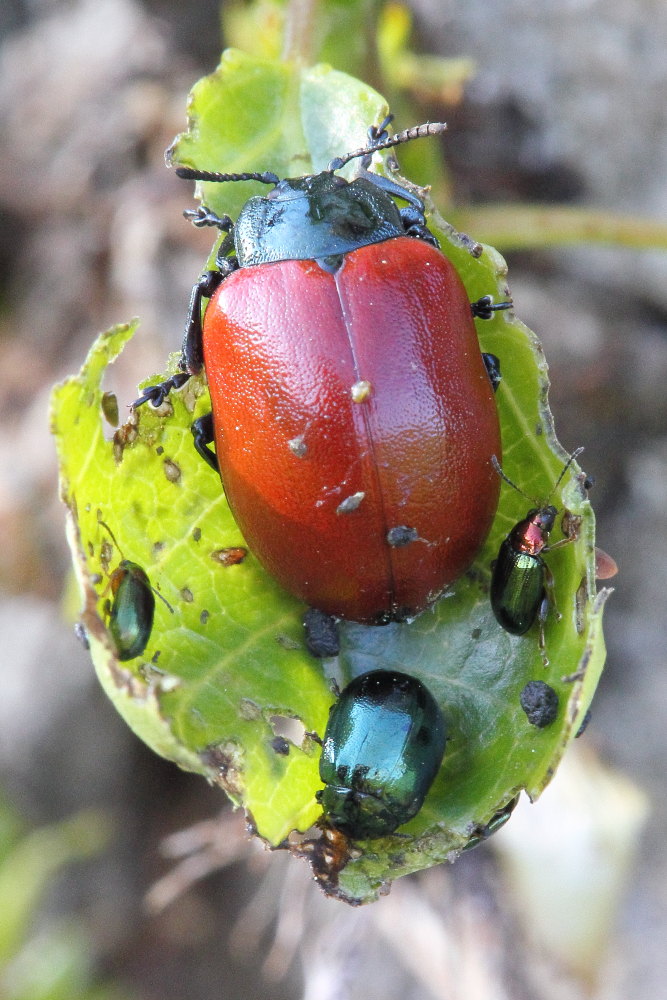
(228, 654)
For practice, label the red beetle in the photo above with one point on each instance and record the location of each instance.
(353, 413)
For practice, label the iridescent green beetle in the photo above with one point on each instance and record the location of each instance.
(522, 583)
(382, 748)
(132, 610)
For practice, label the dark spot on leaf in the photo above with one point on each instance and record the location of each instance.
(249, 710)
(196, 534)
(225, 760)
(159, 450)
(231, 556)
(187, 596)
(109, 403)
(397, 860)
(280, 745)
(124, 436)
(171, 470)
(287, 642)
(106, 554)
(204, 616)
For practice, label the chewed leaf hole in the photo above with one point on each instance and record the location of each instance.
(289, 729)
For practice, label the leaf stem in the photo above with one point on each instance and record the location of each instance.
(298, 43)
(519, 227)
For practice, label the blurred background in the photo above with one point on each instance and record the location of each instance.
(104, 896)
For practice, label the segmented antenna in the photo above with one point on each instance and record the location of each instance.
(188, 174)
(416, 132)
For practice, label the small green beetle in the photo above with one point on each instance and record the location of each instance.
(522, 583)
(132, 610)
(382, 748)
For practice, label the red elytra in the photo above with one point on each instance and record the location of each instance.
(284, 344)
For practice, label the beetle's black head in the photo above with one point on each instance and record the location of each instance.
(543, 517)
(314, 217)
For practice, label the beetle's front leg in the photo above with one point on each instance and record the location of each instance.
(192, 356)
(204, 436)
(192, 359)
(192, 352)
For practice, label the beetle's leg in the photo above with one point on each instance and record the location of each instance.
(192, 359)
(548, 602)
(413, 217)
(203, 216)
(492, 365)
(415, 224)
(204, 435)
(156, 394)
(321, 633)
(542, 615)
(549, 590)
(398, 191)
(191, 351)
(376, 134)
(485, 307)
(571, 525)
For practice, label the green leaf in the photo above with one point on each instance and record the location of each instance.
(228, 655)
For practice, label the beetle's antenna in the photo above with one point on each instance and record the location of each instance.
(115, 540)
(567, 465)
(496, 465)
(188, 174)
(105, 525)
(416, 132)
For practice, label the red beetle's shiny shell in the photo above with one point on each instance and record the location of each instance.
(346, 405)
